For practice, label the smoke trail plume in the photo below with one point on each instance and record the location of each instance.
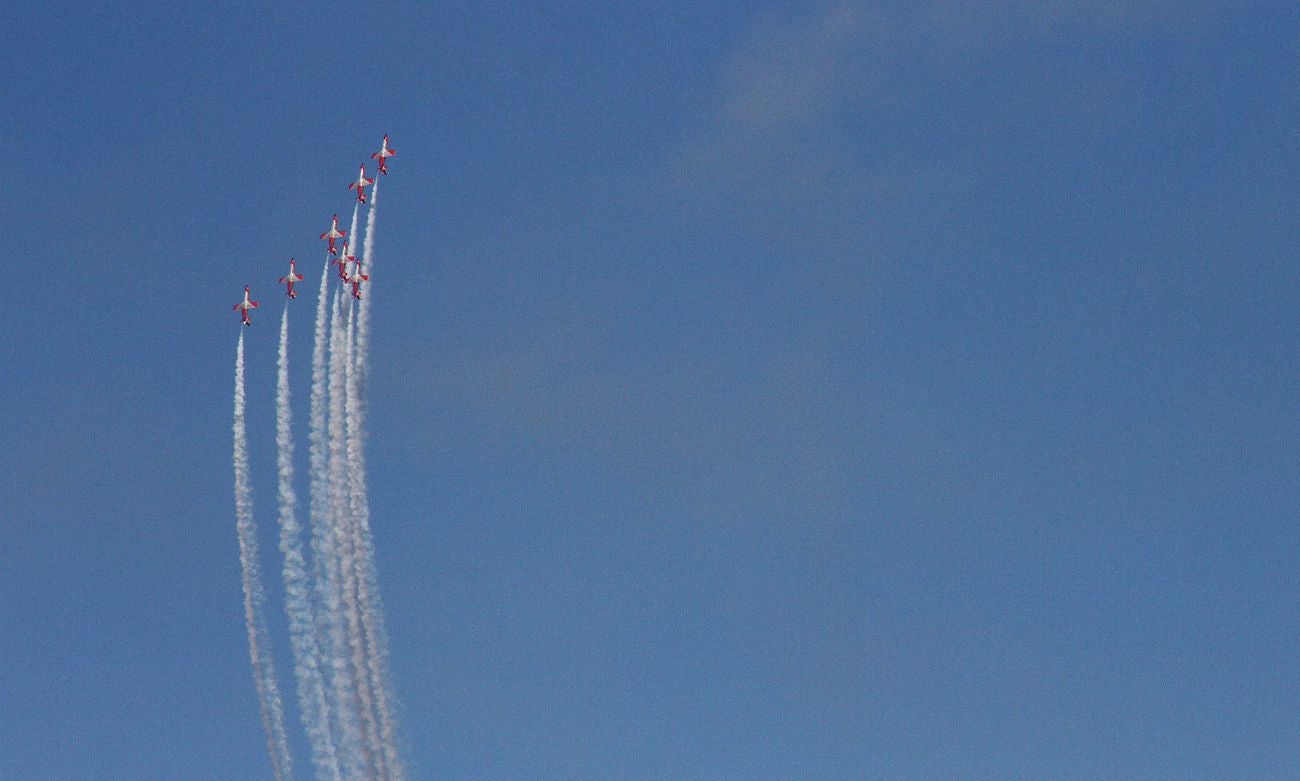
(316, 417)
(340, 367)
(359, 538)
(352, 228)
(363, 306)
(324, 567)
(298, 598)
(372, 613)
(340, 586)
(268, 692)
(356, 250)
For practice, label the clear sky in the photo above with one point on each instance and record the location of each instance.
(900, 391)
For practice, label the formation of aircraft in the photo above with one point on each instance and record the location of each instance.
(290, 278)
(382, 155)
(243, 306)
(349, 266)
(360, 184)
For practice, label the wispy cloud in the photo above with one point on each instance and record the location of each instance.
(775, 109)
(1030, 19)
(787, 74)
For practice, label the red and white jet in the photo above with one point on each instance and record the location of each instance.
(382, 155)
(334, 233)
(343, 261)
(356, 278)
(360, 184)
(290, 278)
(243, 306)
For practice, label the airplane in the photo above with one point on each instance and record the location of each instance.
(382, 156)
(360, 184)
(292, 277)
(245, 305)
(356, 278)
(343, 261)
(332, 234)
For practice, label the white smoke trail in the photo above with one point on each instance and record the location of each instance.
(367, 576)
(352, 229)
(316, 425)
(324, 567)
(367, 584)
(363, 306)
(341, 597)
(268, 692)
(298, 598)
(341, 370)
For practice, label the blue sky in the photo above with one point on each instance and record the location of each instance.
(855, 391)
